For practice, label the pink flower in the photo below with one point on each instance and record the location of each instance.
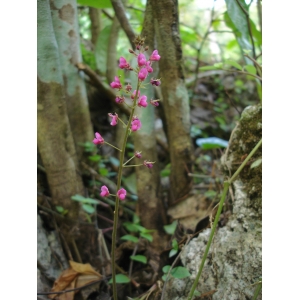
(98, 140)
(123, 63)
(114, 120)
(135, 124)
(141, 59)
(155, 81)
(143, 101)
(138, 154)
(143, 74)
(154, 56)
(120, 100)
(116, 84)
(121, 194)
(154, 102)
(104, 191)
(148, 164)
(133, 94)
(148, 66)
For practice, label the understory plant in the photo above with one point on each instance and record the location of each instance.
(132, 98)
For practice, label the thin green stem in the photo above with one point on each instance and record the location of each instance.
(257, 291)
(116, 212)
(122, 122)
(128, 160)
(132, 166)
(226, 187)
(113, 146)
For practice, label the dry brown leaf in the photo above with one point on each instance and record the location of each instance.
(76, 276)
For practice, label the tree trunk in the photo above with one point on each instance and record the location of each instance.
(65, 24)
(150, 206)
(55, 140)
(175, 96)
(95, 16)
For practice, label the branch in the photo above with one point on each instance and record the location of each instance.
(98, 83)
(120, 13)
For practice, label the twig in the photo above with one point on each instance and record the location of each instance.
(131, 261)
(107, 14)
(120, 13)
(134, 8)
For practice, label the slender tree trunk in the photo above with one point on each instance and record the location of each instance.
(175, 96)
(65, 24)
(150, 206)
(55, 140)
(95, 16)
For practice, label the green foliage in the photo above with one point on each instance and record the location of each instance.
(129, 237)
(210, 194)
(88, 208)
(61, 210)
(120, 278)
(177, 272)
(84, 200)
(256, 163)
(88, 146)
(166, 171)
(170, 229)
(174, 249)
(211, 143)
(95, 158)
(96, 3)
(139, 258)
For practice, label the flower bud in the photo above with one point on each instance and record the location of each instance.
(143, 74)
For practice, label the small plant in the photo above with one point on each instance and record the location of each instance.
(133, 124)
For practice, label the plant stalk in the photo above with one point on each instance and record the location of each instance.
(226, 187)
(116, 212)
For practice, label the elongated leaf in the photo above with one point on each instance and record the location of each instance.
(207, 68)
(88, 208)
(174, 244)
(82, 199)
(173, 252)
(170, 229)
(78, 198)
(136, 219)
(256, 163)
(147, 236)
(234, 64)
(129, 237)
(94, 157)
(60, 209)
(139, 258)
(211, 143)
(95, 3)
(180, 272)
(120, 278)
(210, 194)
(250, 69)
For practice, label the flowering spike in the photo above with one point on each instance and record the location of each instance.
(114, 120)
(104, 191)
(99, 139)
(133, 94)
(143, 101)
(135, 124)
(154, 56)
(121, 194)
(116, 84)
(143, 74)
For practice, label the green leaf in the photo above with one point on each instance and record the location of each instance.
(180, 272)
(103, 171)
(148, 230)
(101, 49)
(256, 33)
(120, 278)
(129, 237)
(210, 194)
(136, 219)
(165, 173)
(95, 3)
(211, 143)
(133, 227)
(166, 268)
(219, 65)
(173, 252)
(250, 69)
(208, 68)
(164, 277)
(256, 163)
(233, 64)
(174, 244)
(114, 161)
(60, 209)
(88, 208)
(170, 229)
(147, 236)
(259, 89)
(139, 258)
(94, 157)
(78, 198)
